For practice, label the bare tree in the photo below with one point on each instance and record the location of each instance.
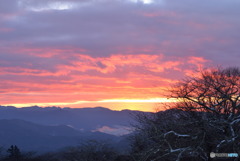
(214, 90)
(207, 119)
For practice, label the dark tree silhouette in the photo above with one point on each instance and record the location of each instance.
(213, 90)
(91, 151)
(205, 119)
(14, 153)
(216, 91)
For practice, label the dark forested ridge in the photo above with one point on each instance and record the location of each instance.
(57, 131)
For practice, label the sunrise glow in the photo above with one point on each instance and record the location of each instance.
(115, 104)
(119, 54)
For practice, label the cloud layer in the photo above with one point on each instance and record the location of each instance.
(59, 51)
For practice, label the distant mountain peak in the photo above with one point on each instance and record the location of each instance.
(7, 107)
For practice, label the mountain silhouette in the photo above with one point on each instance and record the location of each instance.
(85, 119)
(34, 137)
(51, 128)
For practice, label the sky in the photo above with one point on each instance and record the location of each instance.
(120, 54)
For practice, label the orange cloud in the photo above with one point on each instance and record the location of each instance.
(79, 79)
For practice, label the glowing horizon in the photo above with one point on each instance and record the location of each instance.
(150, 105)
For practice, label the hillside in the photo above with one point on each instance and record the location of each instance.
(42, 138)
(84, 119)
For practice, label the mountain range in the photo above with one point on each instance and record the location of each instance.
(52, 128)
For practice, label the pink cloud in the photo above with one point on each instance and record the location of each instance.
(85, 78)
